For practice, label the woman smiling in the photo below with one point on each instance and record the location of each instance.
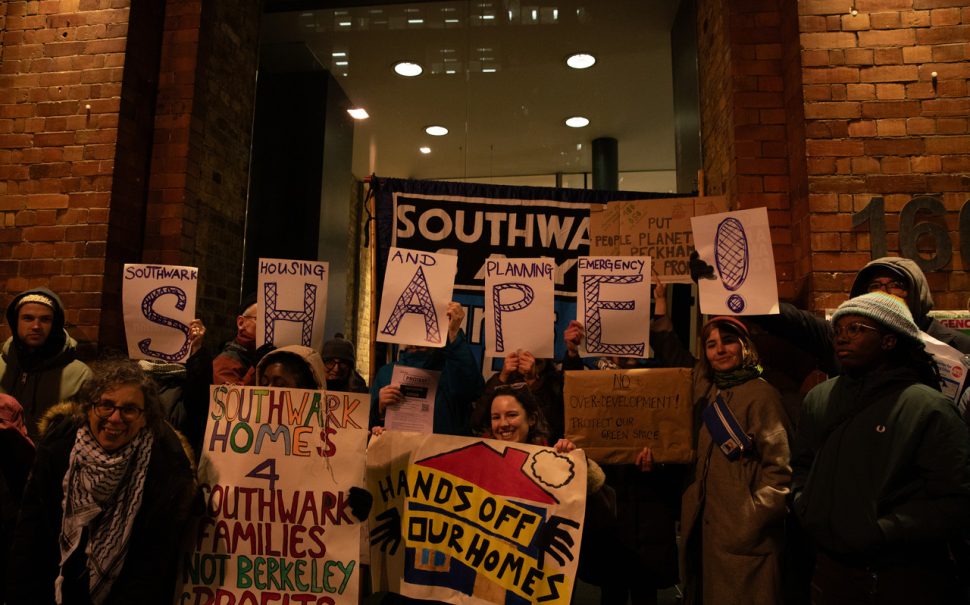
(108, 498)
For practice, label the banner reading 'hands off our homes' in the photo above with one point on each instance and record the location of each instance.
(474, 521)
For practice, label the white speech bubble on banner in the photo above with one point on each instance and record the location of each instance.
(158, 303)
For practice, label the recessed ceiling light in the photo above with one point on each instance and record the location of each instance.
(408, 69)
(577, 122)
(358, 113)
(488, 70)
(415, 21)
(436, 131)
(338, 53)
(581, 60)
(424, 150)
(344, 23)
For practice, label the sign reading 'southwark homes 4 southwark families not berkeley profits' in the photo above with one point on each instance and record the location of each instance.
(276, 470)
(613, 414)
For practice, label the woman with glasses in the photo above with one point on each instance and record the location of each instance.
(341, 365)
(882, 465)
(107, 501)
(734, 506)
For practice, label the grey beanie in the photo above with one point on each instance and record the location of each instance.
(887, 310)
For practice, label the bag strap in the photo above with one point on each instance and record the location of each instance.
(725, 430)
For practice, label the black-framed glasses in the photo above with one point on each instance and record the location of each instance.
(887, 286)
(129, 413)
(853, 330)
(329, 363)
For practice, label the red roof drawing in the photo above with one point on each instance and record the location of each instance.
(477, 462)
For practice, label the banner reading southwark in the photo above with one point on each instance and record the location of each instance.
(474, 521)
(277, 466)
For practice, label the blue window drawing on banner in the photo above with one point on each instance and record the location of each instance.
(416, 290)
(148, 311)
(731, 256)
(528, 295)
(305, 316)
(594, 320)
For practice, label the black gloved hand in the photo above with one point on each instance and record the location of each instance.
(553, 537)
(360, 501)
(387, 532)
(262, 351)
(698, 268)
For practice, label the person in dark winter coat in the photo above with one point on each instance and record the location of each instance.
(107, 503)
(881, 465)
(459, 386)
(16, 458)
(38, 363)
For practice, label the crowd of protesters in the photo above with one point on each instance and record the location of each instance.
(829, 468)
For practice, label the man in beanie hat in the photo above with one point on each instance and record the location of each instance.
(881, 464)
(38, 364)
(341, 366)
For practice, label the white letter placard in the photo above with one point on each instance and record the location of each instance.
(738, 246)
(291, 302)
(614, 305)
(414, 303)
(519, 295)
(158, 303)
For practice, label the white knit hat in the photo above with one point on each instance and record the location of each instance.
(887, 310)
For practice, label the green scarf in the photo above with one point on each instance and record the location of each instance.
(726, 380)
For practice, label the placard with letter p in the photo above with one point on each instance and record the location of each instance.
(519, 294)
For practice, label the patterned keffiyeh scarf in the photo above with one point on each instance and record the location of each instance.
(732, 378)
(103, 492)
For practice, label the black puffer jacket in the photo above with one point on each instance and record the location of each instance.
(148, 575)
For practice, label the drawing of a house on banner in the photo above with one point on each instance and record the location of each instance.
(478, 521)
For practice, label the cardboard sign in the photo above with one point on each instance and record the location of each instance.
(658, 228)
(275, 472)
(462, 520)
(614, 305)
(291, 302)
(414, 303)
(519, 306)
(613, 414)
(158, 303)
(738, 246)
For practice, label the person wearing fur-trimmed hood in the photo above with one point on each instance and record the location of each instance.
(108, 499)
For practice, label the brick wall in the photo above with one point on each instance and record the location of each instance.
(60, 90)
(749, 86)
(828, 109)
(878, 125)
(124, 137)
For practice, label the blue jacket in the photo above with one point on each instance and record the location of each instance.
(460, 386)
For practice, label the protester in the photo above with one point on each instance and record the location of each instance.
(341, 364)
(183, 388)
(38, 364)
(543, 380)
(882, 465)
(236, 364)
(292, 367)
(734, 507)
(460, 383)
(647, 509)
(16, 458)
(108, 499)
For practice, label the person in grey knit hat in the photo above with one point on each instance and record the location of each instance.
(340, 362)
(881, 465)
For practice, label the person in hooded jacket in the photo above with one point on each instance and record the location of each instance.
(38, 363)
(460, 385)
(292, 367)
